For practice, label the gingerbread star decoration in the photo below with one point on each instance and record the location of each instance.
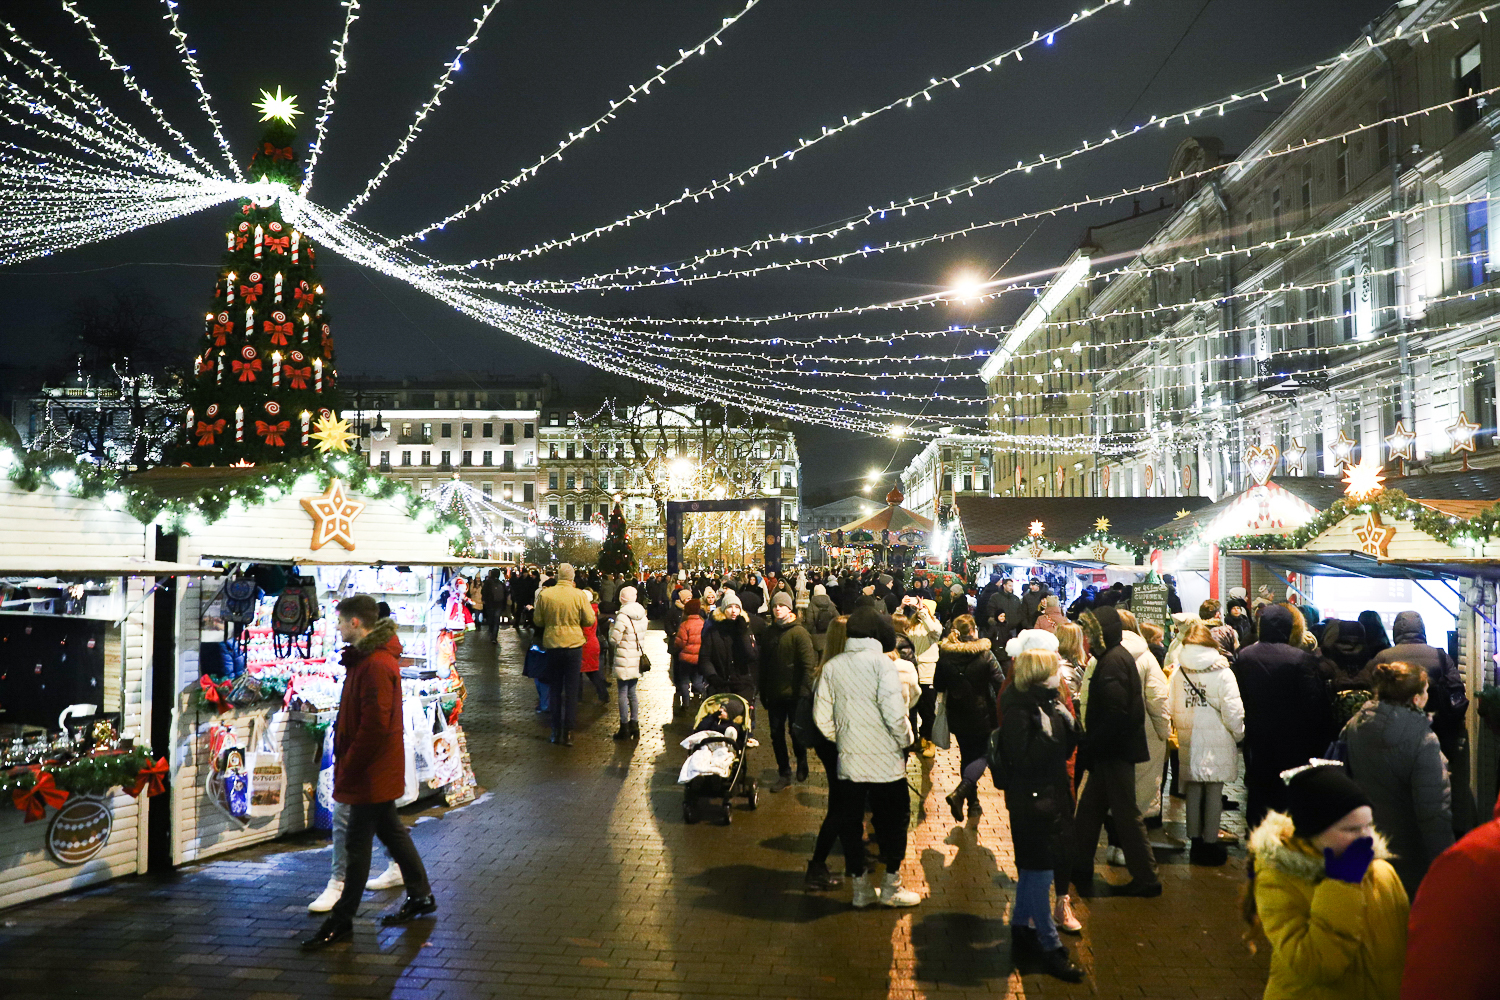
(1462, 433)
(332, 434)
(1399, 442)
(1374, 536)
(1342, 449)
(333, 516)
(1294, 456)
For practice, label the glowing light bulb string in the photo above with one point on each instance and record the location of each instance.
(325, 103)
(189, 60)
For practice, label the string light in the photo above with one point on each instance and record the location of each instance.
(191, 62)
(325, 103)
(597, 125)
(738, 178)
(449, 69)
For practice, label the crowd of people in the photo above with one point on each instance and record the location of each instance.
(1352, 745)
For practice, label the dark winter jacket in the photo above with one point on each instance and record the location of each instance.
(1344, 663)
(1031, 605)
(1287, 718)
(369, 763)
(1115, 726)
(816, 618)
(729, 659)
(1037, 735)
(1446, 699)
(1008, 603)
(786, 658)
(971, 676)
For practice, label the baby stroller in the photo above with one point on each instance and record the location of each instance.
(718, 768)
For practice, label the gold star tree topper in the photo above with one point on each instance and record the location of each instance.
(1037, 529)
(1101, 524)
(333, 516)
(278, 107)
(1363, 481)
(332, 434)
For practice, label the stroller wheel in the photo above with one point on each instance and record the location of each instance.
(689, 816)
(753, 797)
(728, 815)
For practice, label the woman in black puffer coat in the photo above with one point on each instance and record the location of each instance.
(969, 674)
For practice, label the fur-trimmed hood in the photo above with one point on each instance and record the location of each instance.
(952, 645)
(1275, 843)
(380, 634)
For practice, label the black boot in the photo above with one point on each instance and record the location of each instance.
(567, 737)
(975, 809)
(334, 930)
(1059, 964)
(1025, 952)
(1195, 852)
(635, 729)
(411, 908)
(623, 733)
(956, 799)
(819, 878)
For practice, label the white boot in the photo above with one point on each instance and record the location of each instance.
(331, 893)
(892, 894)
(864, 892)
(388, 879)
(1062, 916)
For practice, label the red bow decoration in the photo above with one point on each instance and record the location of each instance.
(244, 210)
(277, 153)
(246, 369)
(211, 693)
(298, 376)
(206, 431)
(35, 800)
(278, 243)
(272, 432)
(250, 292)
(205, 366)
(154, 775)
(327, 345)
(220, 331)
(239, 241)
(278, 332)
(304, 298)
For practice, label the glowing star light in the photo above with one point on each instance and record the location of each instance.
(1462, 433)
(333, 516)
(332, 434)
(1399, 442)
(281, 108)
(1101, 524)
(1294, 456)
(1036, 529)
(1342, 449)
(1363, 481)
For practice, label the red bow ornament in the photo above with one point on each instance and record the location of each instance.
(278, 243)
(279, 331)
(273, 432)
(205, 365)
(246, 369)
(207, 431)
(277, 153)
(297, 377)
(250, 292)
(211, 693)
(154, 775)
(35, 800)
(239, 241)
(222, 330)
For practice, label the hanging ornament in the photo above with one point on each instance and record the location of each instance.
(333, 516)
(278, 327)
(239, 423)
(296, 239)
(259, 238)
(278, 287)
(332, 435)
(1262, 463)
(275, 370)
(306, 422)
(229, 285)
(1294, 456)
(318, 374)
(1342, 450)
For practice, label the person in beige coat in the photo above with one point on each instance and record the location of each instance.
(1157, 695)
(561, 612)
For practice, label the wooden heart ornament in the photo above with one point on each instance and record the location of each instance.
(1262, 462)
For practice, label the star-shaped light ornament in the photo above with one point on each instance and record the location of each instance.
(278, 107)
(1342, 449)
(1101, 524)
(1036, 529)
(1374, 537)
(1399, 442)
(333, 516)
(1294, 456)
(1363, 481)
(1184, 512)
(332, 434)
(1462, 433)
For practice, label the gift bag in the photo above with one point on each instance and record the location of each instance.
(408, 746)
(267, 774)
(941, 735)
(419, 729)
(227, 784)
(323, 798)
(447, 766)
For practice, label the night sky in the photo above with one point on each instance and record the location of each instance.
(541, 69)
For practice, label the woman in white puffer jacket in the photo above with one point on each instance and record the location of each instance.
(628, 636)
(1210, 719)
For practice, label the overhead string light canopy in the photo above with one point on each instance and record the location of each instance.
(325, 103)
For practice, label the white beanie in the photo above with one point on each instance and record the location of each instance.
(627, 594)
(1032, 638)
(819, 590)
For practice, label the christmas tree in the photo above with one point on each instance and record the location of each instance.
(263, 386)
(615, 556)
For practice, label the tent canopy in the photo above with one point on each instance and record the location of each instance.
(994, 524)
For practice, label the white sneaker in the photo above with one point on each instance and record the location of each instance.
(1062, 916)
(864, 892)
(388, 879)
(1115, 856)
(331, 893)
(892, 894)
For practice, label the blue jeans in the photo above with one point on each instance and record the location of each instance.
(1033, 906)
(690, 680)
(564, 673)
(630, 706)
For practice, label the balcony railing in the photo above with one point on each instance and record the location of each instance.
(414, 439)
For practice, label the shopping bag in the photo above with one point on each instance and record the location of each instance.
(447, 766)
(421, 739)
(323, 797)
(267, 773)
(408, 747)
(941, 736)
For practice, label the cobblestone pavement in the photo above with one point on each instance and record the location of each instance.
(575, 876)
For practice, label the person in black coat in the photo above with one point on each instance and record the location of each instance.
(1287, 710)
(1037, 734)
(968, 673)
(1031, 604)
(1114, 742)
(729, 657)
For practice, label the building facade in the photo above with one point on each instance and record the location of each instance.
(948, 466)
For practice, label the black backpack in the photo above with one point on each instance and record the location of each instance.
(825, 618)
(240, 593)
(292, 618)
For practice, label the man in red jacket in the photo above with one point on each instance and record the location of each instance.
(369, 768)
(1450, 936)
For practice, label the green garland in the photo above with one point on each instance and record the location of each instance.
(1092, 538)
(85, 776)
(30, 470)
(247, 689)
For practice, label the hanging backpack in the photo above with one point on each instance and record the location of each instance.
(240, 596)
(292, 619)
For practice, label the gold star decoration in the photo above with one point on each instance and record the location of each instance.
(1184, 512)
(281, 108)
(1037, 529)
(1462, 433)
(333, 516)
(1101, 524)
(1294, 456)
(1342, 449)
(1399, 442)
(332, 434)
(1374, 536)
(1363, 481)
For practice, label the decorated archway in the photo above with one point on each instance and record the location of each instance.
(772, 507)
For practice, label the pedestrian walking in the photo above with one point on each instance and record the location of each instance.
(1210, 720)
(1325, 895)
(968, 676)
(593, 650)
(861, 707)
(818, 877)
(818, 615)
(687, 649)
(369, 769)
(1393, 754)
(1037, 735)
(627, 635)
(786, 658)
(730, 657)
(562, 611)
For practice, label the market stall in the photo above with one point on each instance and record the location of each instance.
(75, 665)
(890, 537)
(257, 653)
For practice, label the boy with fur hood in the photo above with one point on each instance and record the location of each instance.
(1325, 895)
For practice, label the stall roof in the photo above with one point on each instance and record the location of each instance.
(1468, 484)
(98, 565)
(892, 518)
(993, 524)
(1360, 564)
(1319, 492)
